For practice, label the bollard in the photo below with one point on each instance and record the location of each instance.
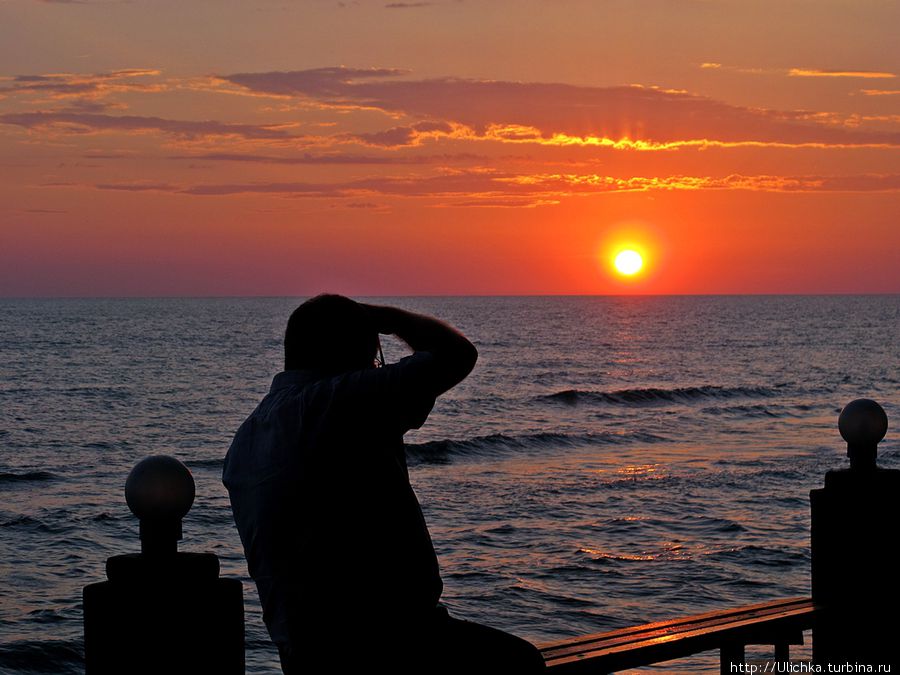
(162, 611)
(855, 521)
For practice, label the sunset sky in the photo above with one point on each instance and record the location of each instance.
(267, 147)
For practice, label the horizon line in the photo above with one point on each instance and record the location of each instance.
(451, 295)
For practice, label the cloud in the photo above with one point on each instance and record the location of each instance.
(880, 92)
(329, 83)
(107, 155)
(294, 189)
(78, 122)
(405, 136)
(90, 106)
(549, 110)
(801, 72)
(138, 187)
(93, 85)
(498, 189)
(764, 183)
(406, 5)
(489, 203)
(334, 159)
(866, 74)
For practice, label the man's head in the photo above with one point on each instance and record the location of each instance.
(330, 333)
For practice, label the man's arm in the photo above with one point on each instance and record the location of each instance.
(454, 356)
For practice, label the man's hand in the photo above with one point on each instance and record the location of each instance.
(453, 354)
(381, 317)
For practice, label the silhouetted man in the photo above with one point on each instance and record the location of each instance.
(332, 530)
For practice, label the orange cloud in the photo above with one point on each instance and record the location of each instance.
(490, 188)
(494, 203)
(408, 136)
(866, 74)
(801, 72)
(77, 85)
(330, 159)
(138, 187)
(600, 183)
(89, 122)
(517, 111)
(523, 135)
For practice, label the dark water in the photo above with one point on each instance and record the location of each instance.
(611, 460)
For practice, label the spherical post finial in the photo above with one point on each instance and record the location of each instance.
(159, 491)
(862, 423)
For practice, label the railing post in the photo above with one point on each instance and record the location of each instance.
(162, 611)
(855, 521)
(731, 656)
(783, 650)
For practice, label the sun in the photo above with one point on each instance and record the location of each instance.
(628, 262)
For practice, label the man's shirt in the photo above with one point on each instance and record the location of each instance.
(320, 491)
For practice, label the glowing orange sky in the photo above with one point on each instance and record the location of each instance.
(372, 148)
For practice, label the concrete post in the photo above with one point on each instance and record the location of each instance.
(854, 531)
(162, 611)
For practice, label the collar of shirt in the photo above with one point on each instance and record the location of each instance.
(294, 378)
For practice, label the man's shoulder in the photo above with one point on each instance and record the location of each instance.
(262, 439)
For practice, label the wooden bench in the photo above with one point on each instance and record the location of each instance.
(779, 623)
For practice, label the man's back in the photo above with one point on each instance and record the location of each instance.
(320, 490)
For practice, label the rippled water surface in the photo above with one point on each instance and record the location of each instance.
(611, 461)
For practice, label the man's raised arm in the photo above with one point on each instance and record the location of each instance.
(454, 356)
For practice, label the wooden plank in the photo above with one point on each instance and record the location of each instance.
(780, 621)
(641, 655)
(654, 651)
(750, 630)
(675, 625)
(711, 621)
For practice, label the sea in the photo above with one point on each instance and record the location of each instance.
(610, 461)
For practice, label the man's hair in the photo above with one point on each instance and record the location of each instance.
(330, 333)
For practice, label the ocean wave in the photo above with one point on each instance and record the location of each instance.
(215, 463)
(749, 554)
(666, 552)
(43, 656)
(26, 477)
(99, 445)
(598, 555)
(632, 526)
(753, 555)
(479, 446)
(756, 410)
(529, 589)
(652, 395)
(27, 523)
(705, 525)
